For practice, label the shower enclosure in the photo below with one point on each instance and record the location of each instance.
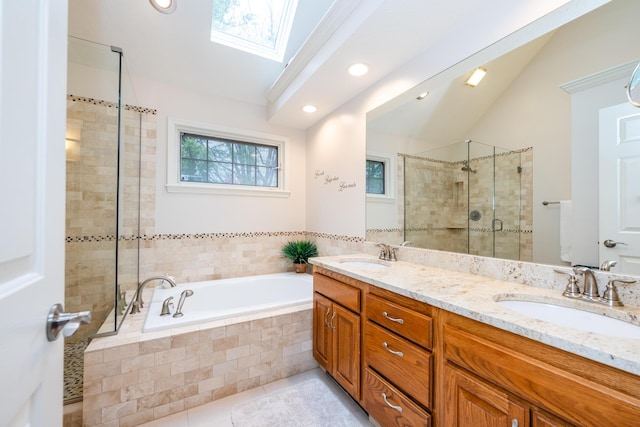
(465, 198)
(103, 195)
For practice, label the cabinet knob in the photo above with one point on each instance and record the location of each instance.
(514, 423)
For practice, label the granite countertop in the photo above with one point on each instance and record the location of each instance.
(475, 297)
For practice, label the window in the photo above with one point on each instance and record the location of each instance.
(221, 161)
(375, 177)
(207, 159)
(261, 27)
(380, 177)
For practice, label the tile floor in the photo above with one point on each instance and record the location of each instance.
(218, 413)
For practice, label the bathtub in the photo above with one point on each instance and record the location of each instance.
(226, 298)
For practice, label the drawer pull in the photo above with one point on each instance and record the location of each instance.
(400, 321)
(332, 325)
(397, 408)
(397, 353)
(326, 317)
(514, 422)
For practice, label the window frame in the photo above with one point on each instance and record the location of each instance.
(176, 127)
(275, 53)
(389, 178)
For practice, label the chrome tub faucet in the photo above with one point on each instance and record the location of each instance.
(137, 302)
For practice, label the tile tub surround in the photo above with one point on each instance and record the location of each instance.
(472, 296)
(132, 378)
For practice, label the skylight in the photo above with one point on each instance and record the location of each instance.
(260, 27)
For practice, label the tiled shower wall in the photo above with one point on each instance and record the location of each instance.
(91, 202)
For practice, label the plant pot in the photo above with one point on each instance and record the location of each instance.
(300, 268)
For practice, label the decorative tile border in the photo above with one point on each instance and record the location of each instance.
(459, 162)
(202, 236)
(111, 104)
(482, 230)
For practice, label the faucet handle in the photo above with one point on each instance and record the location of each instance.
(610, 296)
(572, 290)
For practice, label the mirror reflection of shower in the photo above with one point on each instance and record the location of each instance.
(466, 198)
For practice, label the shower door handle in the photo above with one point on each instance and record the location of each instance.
(495, 222)
(68, 323)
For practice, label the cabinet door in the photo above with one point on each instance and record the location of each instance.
(346, 349)
(472, 403)
(321, 330)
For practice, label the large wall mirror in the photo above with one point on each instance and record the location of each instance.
(495, 169)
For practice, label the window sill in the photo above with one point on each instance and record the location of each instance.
(193, 188)
(380, 198)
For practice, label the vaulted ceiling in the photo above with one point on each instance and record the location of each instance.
(326, 38)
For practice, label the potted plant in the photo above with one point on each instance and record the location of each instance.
(299, 251)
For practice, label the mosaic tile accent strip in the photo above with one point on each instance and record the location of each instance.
(337, 237)
(111, 104)
(196, 236)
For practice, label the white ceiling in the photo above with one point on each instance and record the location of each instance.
(175, 49)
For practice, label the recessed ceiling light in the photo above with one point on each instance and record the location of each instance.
(477, 75)
(164, 6)
(309, 109)
(358, 70)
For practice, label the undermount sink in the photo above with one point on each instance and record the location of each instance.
(365, 263)
(573, 318)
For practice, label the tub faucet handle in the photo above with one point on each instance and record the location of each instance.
(166, 307)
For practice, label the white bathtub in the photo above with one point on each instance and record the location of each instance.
(225, 298)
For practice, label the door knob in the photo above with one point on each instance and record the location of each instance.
(612, 244)
(68, 323)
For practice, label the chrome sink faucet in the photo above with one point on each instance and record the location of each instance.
(590, 288)
(137, 302)
(387, 253)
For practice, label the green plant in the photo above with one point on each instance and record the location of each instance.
(299, 251)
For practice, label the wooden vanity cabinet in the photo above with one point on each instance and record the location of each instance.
(490, 377)
(337, 328)
(398, 359)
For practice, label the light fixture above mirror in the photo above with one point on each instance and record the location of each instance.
(476, 76)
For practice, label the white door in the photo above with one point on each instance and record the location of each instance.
(619, 194)
(33, 55)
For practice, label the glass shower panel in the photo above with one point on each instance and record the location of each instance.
(103, 175)
(481, 198)
(128, 214)
(508, 176)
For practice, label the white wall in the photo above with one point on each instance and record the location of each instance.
(343, 131)
(206, 213)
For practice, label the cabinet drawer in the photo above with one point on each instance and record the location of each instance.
(388, 406)
(411, 325)
(406, 365)
(343, 294)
